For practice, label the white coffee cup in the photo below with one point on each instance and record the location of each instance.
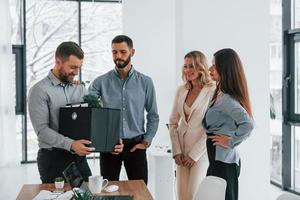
(97, 183)
(59, 184)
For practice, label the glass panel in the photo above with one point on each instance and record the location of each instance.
(48, 24)
(297, 77)
(276, 139)
(14, 76)
(296, 14)
(19, 118)
(275, 49)
(297, 158)
(16, 17)
(96, 42)
(19, 128)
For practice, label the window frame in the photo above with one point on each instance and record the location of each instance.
(18, 50)
(293, 37)
(290, 117)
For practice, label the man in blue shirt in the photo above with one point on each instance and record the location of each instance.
(133, 92)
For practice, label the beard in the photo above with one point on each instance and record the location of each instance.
(66, 78)
(122, 63)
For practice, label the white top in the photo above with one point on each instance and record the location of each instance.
(187, 110)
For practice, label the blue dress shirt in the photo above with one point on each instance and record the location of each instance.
(133, 96)
(228, 117)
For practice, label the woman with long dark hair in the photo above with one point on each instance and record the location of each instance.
(228, 120)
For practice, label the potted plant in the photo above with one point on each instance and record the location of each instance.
(93, 101)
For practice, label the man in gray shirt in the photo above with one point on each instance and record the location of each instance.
(133, 92)
(44, 100)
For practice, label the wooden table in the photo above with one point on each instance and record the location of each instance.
(137, 188)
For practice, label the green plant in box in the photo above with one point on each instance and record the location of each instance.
(93, 101)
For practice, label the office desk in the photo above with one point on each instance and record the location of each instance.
(137, 188)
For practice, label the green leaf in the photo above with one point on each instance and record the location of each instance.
(84, 196)
(93, 101)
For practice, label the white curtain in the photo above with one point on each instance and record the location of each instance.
(8, 148)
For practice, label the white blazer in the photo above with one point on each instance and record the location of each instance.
(188, 136)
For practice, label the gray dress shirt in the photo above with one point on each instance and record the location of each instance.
(133, 96)
(228, 117)
(44, 100)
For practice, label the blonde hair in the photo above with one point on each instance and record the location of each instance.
(199, 63)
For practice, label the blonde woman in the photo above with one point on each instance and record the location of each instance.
(187, 134)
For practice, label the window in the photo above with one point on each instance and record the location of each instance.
(16, 7)
(90, 23)
(17, 65)
(296, 157)
(100, 23)
(291, 96)
(297, 77)
(18, 62)
(276, 90)
(295, 13)
(48, 23)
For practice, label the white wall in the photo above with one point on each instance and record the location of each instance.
(164, 31)
(152, 29)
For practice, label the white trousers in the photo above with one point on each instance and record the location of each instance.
(189, 179)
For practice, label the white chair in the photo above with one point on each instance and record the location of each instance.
(211, 188)
(288, 196)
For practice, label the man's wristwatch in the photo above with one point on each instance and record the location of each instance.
(147, 144)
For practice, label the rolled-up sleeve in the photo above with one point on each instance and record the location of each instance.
(40, 118)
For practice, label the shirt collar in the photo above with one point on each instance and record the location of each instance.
(131, 71)
(55, 81)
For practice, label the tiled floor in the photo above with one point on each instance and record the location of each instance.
(14, 177)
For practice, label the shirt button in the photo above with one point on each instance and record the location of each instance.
(123, 108)
(123, 88)
(124, 119)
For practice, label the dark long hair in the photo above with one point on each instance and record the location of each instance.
(232, 77)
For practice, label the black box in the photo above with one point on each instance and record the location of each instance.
(99, 125)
